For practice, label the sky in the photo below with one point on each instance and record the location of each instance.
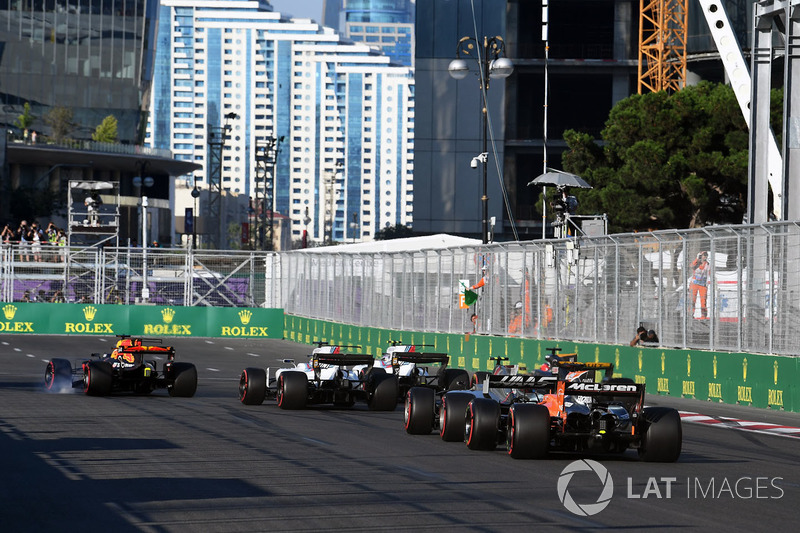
(299, 8)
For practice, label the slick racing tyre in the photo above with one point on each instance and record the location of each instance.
(292, 390)
(483, 418)
(528, 431)
(58, 375)
(185, 380)
(383, 392)
(456, 379)
(418, 414)
(253, 386)
(97, 378)
(452, 416)
(662, 437)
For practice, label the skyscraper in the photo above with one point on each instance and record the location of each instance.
(344, 114)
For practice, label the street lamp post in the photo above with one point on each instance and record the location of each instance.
(491, 64)
(195, 195)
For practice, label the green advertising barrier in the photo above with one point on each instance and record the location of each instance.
(143, 320)
(764, 381)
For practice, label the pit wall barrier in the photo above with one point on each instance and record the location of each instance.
(765, 381)
(142, 320)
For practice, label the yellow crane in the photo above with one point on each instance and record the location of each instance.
(662, 45)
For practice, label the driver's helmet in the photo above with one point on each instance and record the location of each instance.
(122, 344)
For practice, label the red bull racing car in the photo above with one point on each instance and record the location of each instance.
(576, 409)
(125, 369)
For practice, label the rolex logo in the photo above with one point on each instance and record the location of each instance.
(9, 311)
(245, 316)
(89, 311)
(168, 314)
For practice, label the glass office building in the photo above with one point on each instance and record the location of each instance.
(92, 56)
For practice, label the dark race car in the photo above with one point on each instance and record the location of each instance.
(418, 369)
(330, 377)
(573, 411)
(427, 409)
(125, 369)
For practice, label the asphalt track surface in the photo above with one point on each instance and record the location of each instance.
(208, 463)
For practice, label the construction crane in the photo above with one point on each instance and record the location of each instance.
(662, 64)
(662, 45)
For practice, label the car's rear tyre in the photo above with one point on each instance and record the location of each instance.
(483, 418)
(58, 375)
(478, 378)
(419, 414)
(528, 431)
(663, 436)
(384, 391)
(253, 386)
(456, 379)
(97, 378)
(292, 390)
(452, 416)
(185, 380)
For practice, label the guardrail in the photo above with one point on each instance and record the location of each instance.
(586, 289)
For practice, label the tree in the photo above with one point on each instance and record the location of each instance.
(394, 232)
(26, 119)
(667, 161)
(106, 131)
(59, 118)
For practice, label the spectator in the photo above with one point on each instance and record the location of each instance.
(8, 235)
(651, 337)
(515, 324)
(33, 137)
(62, 244)
(699, 283)
(26, 297)
(36, 242)
(474, 320)
(21, 236)
(641, 335)
(57, 298)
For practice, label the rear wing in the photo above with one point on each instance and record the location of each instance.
(519, 381)
(565, 368)
(604, 389)
(419, 358)
(341, 359)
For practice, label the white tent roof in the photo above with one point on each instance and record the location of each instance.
(410, 244)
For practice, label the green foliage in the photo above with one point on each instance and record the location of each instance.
(394, 232)
(26, 119)
(666, 161)
(59, 118)
(106, 131)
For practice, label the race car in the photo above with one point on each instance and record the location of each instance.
(533, 415)
(426, 409)
(410, 367)
(125, 369)
(329, 377)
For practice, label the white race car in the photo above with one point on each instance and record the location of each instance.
(330, 377)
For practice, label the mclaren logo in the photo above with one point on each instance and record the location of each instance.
(600, 387)
(9, 311)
